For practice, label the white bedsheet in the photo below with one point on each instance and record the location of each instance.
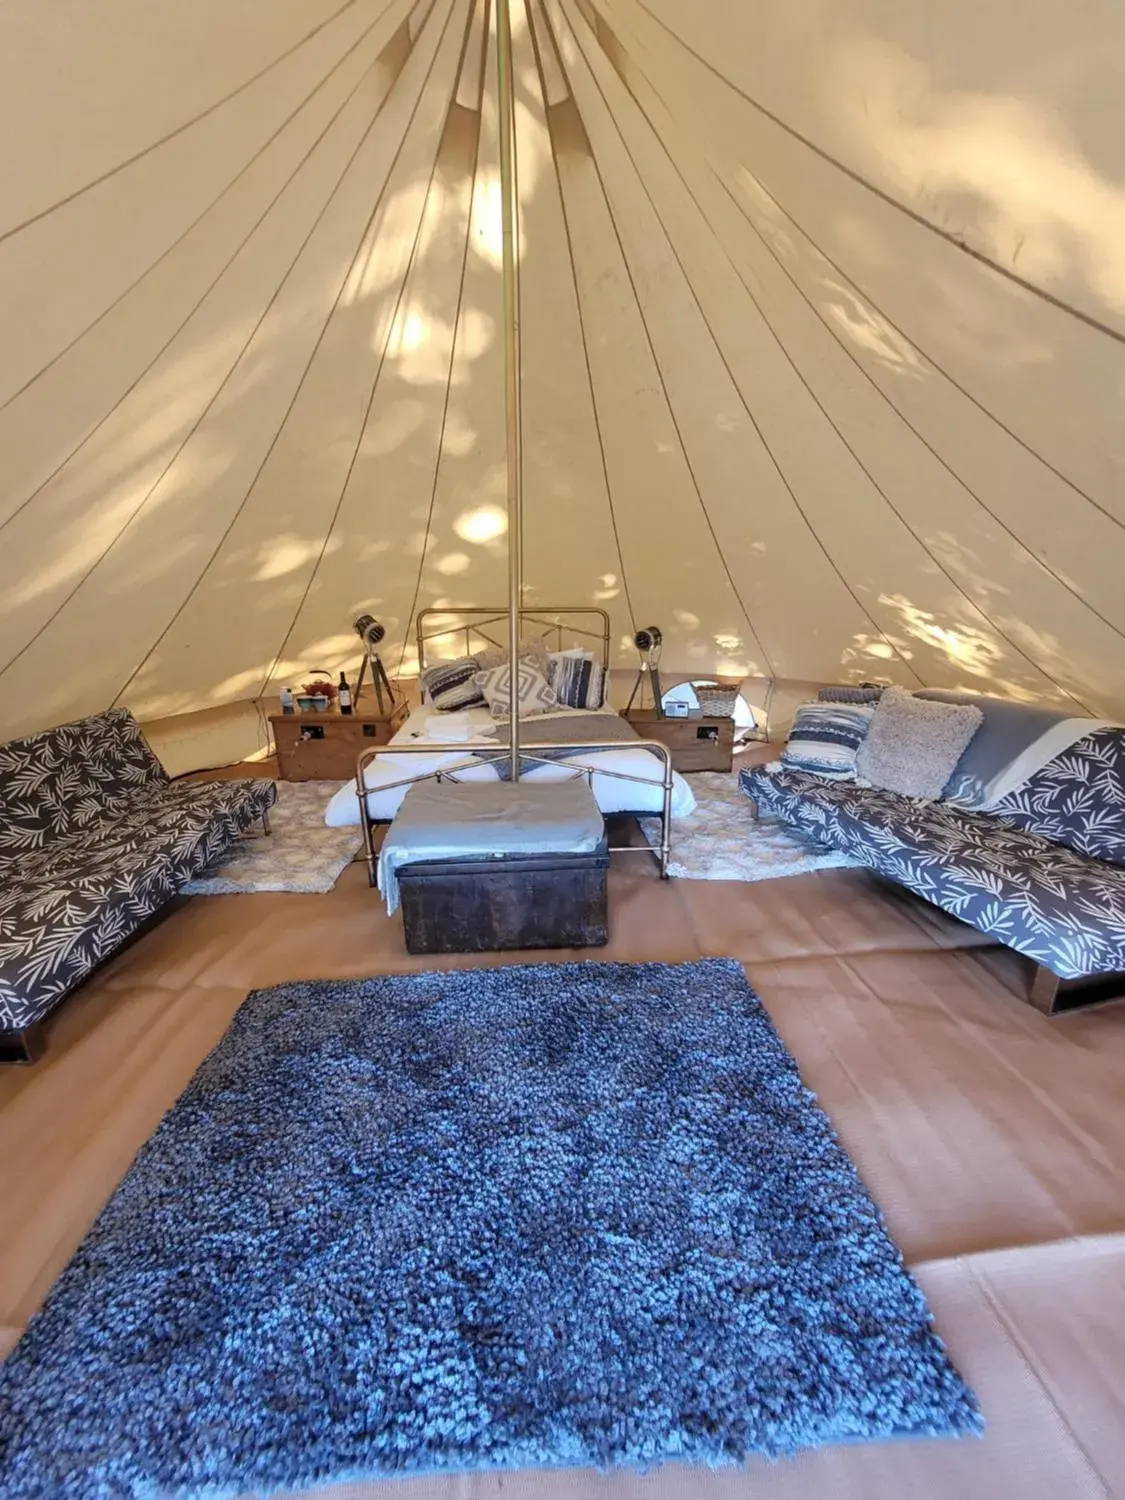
(611, 794)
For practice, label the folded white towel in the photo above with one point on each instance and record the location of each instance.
(456, 729)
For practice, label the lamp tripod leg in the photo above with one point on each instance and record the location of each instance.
(382, 685)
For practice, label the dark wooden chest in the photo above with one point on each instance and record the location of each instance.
(514, 901)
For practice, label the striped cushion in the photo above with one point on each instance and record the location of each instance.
(450, 684)
(825, 738)
(866, 692)
(578, 681)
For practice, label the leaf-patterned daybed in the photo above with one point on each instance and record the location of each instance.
(1061, 907)
(94, 839)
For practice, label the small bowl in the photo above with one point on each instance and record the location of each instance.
(308, 704)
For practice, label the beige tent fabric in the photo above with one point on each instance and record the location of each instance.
(823, 318)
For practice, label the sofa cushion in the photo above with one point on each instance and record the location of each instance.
(1060, 908)
(55, 930)
(1077, 799)
(913, 745)
(66, 779)
(70, 903)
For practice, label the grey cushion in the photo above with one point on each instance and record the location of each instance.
(913, 744)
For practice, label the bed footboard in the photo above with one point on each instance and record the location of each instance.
(541, 754)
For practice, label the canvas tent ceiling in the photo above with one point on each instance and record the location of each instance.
(823, 320)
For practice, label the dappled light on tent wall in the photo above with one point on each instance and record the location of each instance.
(822, 317)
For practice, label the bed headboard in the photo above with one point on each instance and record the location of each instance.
(470, 630)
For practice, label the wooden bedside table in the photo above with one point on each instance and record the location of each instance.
(324, 746)
(700, 744)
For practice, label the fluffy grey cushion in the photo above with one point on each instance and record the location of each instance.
(913, 745)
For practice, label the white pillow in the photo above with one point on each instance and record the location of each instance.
(534, 694)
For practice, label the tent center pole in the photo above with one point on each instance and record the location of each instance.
(512, 414)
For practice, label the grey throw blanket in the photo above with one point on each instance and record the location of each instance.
(571, 733)
(1015, 741)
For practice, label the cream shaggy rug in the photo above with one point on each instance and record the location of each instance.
(300, 855)
(721, 840)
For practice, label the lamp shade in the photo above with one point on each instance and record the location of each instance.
(369, 630)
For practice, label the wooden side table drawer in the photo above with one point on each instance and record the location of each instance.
(701, 744)
(324, 746)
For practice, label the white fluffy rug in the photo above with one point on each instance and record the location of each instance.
(720, 840)
(300, 855)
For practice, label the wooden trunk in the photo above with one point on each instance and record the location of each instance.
(516, 901)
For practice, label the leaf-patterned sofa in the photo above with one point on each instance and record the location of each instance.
(1028, 872)
(94, 839)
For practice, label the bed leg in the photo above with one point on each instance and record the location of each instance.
(266, 829)
(755, 811)
(1044, 990)
(22, 1047)
(666, 818)
(368, 841)
(1059, 997)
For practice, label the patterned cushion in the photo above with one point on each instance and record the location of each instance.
(578, 681)
(1063, 910)
(913, 745)
(107, 843)
(866, 692)
(450, 684)
(825, 737)
(535, 695)
(1078, 799)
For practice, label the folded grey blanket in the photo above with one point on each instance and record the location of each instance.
(570, 732)
(454, 822)
(1015, 741)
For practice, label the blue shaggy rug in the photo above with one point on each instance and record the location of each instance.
(552, 1215)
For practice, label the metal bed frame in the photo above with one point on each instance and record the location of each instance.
(458, 624)
(451, 624)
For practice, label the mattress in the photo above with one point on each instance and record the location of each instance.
(474, 730)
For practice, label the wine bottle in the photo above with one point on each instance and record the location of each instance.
(345, 695)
